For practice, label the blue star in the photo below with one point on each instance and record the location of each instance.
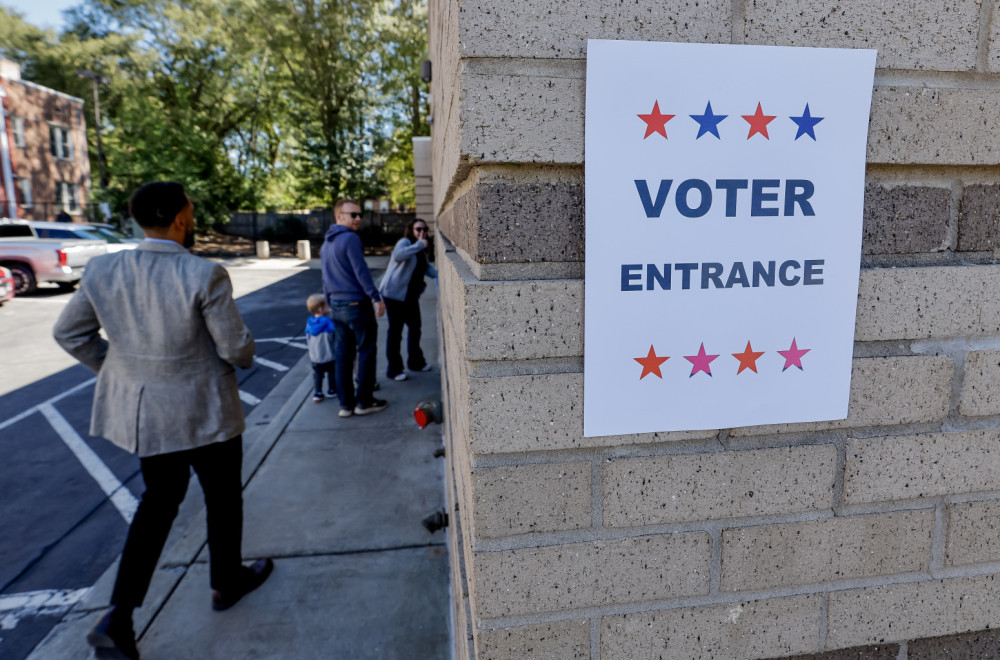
(806, 123)
(708, 123)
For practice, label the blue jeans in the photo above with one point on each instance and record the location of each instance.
(356, 334)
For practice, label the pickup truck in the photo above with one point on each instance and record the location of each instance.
(33, 260)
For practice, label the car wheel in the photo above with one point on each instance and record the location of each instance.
(66, 286)
(24, 278)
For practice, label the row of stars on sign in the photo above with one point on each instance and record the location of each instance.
(702, 361)
(656, 122)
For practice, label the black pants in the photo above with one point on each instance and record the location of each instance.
(218, 467)
(403, 312)
(328, 368)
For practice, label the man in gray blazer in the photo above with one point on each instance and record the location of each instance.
(167, 391)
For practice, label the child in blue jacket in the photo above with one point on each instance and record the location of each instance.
(320, 335)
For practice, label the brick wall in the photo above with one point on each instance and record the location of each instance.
(39, 108)
(877, 536)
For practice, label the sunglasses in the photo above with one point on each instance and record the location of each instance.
(420, 229)
(354, 215)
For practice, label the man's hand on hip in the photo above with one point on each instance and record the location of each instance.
(379, 308)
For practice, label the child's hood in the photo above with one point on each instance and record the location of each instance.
(316, 325)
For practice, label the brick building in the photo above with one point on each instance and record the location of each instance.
(47, 140)
(876, 536)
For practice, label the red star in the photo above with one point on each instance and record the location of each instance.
(748, 359)
(793, 356)
(758, 122)
(701, 361)
(655, 122)
(651, 364)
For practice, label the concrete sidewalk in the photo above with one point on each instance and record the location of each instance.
(338, 504)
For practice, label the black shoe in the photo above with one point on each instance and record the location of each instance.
(331, 392)
(318, 397)
(113, 639)
(253, 576)
(375, 406)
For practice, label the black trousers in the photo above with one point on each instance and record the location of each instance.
(218, 467)
(328, 368)
(403, 312)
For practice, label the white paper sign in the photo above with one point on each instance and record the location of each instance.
(724, 196)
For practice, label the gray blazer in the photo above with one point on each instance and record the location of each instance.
(165, 376)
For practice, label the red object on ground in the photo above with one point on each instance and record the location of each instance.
(6, 285)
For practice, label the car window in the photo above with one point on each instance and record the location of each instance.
(7, 231)
(110, 235)
(75, 234)
(55, 233)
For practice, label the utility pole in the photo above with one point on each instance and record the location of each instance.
(98, 80)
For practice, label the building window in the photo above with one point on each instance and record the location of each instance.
(66, 197)
(24, 192)
(17, 127)
(60, 142)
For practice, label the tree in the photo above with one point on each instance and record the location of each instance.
(249, 103)
(323, 54)
(403, 48)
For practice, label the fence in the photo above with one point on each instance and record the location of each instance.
(285, 226)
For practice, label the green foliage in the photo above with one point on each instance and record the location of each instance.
(249, 103)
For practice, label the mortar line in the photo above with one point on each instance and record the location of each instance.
(983, 38)
(954, 216)
(839, 477)
(596, 493)
(939, 538)
(715, 565)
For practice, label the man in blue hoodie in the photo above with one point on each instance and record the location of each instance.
(348, 286)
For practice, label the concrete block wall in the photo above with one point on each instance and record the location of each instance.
(877, 536)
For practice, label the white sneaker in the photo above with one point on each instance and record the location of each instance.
(345, 412)
(424, 368)
(399, 376)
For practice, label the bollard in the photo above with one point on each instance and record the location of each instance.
(303, 250)
(263, 250)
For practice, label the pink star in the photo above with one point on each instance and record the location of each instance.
(700, 361)
(793, 356)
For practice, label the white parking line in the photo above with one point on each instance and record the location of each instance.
(269, 364)
(248, 398)
(288, 341)
(33, 409)
(50, 602)
(121, 497)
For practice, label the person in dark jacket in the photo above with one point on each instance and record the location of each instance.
(401, 287)
(351, 294)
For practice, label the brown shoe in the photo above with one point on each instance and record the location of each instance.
(113, 639)
(253, 576)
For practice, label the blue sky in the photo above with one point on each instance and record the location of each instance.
(43, 13)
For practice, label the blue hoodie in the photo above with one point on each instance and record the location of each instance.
(320, 333)
(346, 277)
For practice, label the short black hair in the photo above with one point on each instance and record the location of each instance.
(156, 204)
